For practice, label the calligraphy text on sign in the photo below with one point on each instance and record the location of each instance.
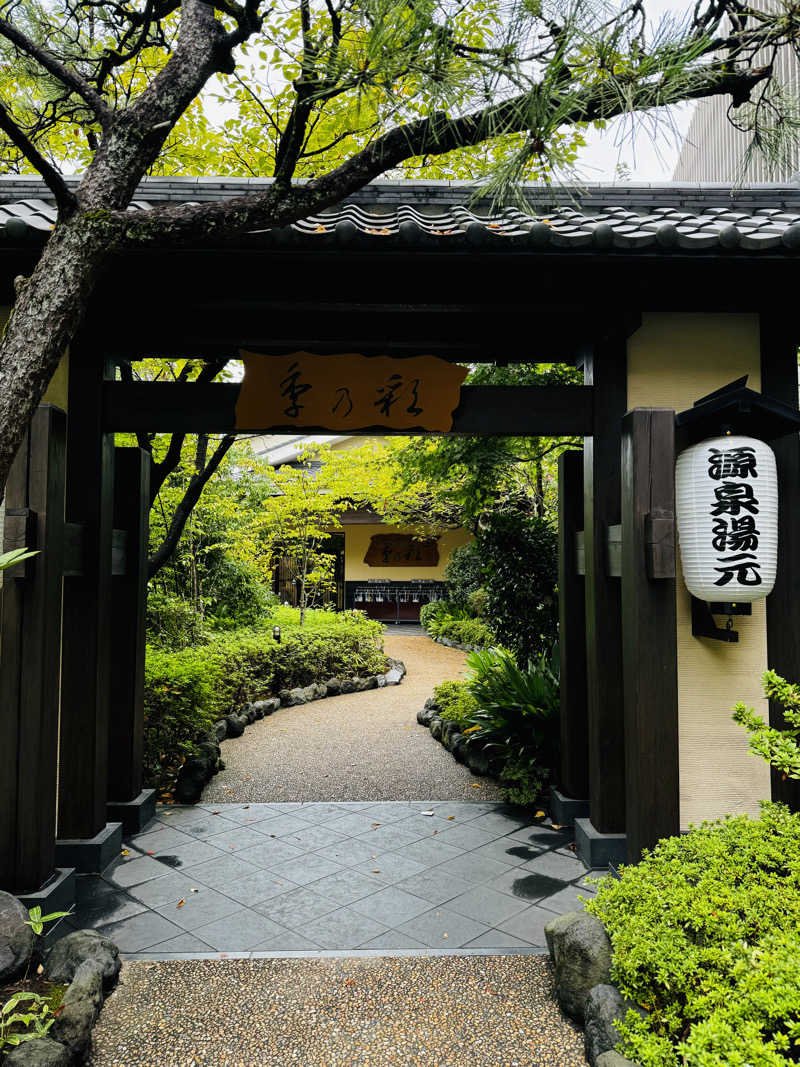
(401, 550)
(348, 392)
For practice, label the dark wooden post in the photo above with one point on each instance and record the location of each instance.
(31, 639)
(574, 777)
(649, 628)
(605, 367)
(87, 607)
(780, 337)
(129, 602)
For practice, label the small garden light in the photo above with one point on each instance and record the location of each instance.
(276, 632)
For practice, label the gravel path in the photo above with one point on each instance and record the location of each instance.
(363, 746)
(492, 1011)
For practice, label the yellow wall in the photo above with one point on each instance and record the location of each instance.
(673, 360)
(356, 543)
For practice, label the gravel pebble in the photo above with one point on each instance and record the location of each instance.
(363, 746)
(488, 1011)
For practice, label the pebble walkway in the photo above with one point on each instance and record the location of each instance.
(486, 1011)
(363, 746)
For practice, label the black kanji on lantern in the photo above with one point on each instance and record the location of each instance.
(743, 567)
(732, 498)
(732, 463)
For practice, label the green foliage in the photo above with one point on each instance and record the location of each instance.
(464, 575)
(705, 933)
(172, 622)
(523, 780)
(431, 612)
(443, 618)
(16, 555)
(455, 701)
(37, 921)
(188, 689)
(520, 557)
(516, 707)
(23, 1017)
(780, 748)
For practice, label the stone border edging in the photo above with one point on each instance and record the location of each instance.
(89, 965)
(580, 949)
(449, 643)
(205, 761)
(447, 733)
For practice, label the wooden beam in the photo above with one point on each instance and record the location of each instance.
(87, 606)
(649, 629)
(30, 629)
(574, 778)
(129, 603)
(605, 368)
(547, 411)
(780, 337)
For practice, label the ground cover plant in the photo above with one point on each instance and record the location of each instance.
(705, 933)
(187, 689)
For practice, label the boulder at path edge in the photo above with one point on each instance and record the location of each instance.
(67, 955)
(614, 1059)
(605, 1007)
(41, 1052)
(581, 952)
(16, 937)
(79, 1009)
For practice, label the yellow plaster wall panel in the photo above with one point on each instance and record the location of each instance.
(58, 389)
(673, 360)
(356, 543)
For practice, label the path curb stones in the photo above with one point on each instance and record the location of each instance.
(581, 952)
(605, 1007)
(41, 1052)
(614, 1059)
(83, 946)
(16, 937)
(79, 1009)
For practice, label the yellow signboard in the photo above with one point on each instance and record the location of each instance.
(348, 392)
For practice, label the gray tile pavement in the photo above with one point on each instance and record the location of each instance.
(326, 877)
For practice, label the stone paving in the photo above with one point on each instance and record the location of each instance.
(309, 878)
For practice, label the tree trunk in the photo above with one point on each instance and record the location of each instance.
(50, 306)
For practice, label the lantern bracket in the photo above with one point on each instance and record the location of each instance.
(736, 409)
(703, 624)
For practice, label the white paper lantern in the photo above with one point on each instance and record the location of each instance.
(726, 495)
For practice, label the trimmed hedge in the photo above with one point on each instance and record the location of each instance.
(187, 690)
(705, 933)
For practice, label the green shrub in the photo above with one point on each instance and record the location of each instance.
(172, 622)
(520, 566)
(455, 701)
(516, 707)
(466, 632)
(522, 781)
(463, 574)
(780, 748)
(705, 934)
(188, 689)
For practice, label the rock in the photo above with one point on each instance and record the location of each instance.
(41, 1052)
(16, 938)
(258, 710)
(431, 704)
(449, 730)
(605, 1006)
(614, 1059)
(267, 707)
(371, 682)
(477, 760)
(296, 698)
(79, 1009)
(320, 690)
(348, 685)
(460, 748)
(310, 692)
(283, 696)
(381, 680)
(436, 728)
(196, 771)
(581, 953)
(235, 725)
(425, 715)
(66, 956)
(220, 729)
(333, 687)
(393, 677)
(249, 712)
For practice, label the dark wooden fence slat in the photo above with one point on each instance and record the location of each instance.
(574, 778)
(649, 631)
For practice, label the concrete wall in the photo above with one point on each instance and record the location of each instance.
(356, 543)
(673, 360)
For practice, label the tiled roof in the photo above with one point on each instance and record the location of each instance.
(444, 215)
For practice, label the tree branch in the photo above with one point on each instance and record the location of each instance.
(59, 70)
(184, 508)
(64, 198)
